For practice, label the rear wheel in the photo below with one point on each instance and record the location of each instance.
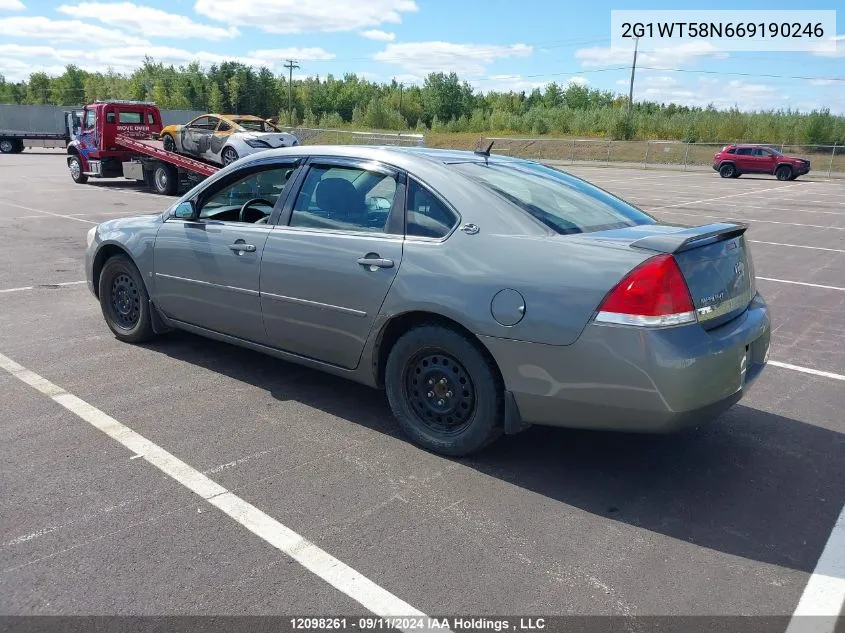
(75, 167)
(169, 143)
(165, 179)
(727, 171)
(784, 172)
(446, 395)
(229, 156)
(124, 300)
(18, 147)
(7, 146)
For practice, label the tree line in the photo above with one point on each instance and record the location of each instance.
(443, 103)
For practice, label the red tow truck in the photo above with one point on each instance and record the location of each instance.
(119, 139)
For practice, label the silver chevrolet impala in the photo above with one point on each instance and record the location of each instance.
(483, 293)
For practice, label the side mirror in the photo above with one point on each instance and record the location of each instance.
(185, 210)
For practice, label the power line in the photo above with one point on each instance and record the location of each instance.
(738, 74)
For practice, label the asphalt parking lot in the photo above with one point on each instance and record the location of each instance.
(731, 518)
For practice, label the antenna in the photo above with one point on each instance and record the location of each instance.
(480, 150)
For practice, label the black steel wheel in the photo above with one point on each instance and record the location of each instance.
(124, 300)
(440, 391)
(444, 391)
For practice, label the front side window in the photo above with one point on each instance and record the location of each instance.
(344, 198)
(562, 202)
(264, 186)
(90, 119)
(426, 215)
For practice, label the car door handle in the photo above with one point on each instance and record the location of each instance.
(376, 261)
(242, 246)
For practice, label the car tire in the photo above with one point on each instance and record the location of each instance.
(793, 176)
(165, 179)
(727, 170)
(229, 156)
(124, 301)
(168, 143)
(463, 409)
(75, 167)
(783, 172)
(7, 146)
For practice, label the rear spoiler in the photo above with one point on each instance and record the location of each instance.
(693, 237)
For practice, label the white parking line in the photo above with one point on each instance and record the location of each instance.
(319, 562)
(733, 217)
(58, 215)
(22, 288)
(822, 600)
(733, 195)
(815, 248)
(807, 370)
(801, 283)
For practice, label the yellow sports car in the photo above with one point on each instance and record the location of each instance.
(224, 138)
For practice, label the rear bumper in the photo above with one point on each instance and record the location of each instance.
(629, 379)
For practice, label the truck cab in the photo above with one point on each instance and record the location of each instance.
(95, 151)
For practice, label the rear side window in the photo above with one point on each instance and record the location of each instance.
(744, 151)
(732, 150)
(131, 117)
(562, 202)
(426, 215)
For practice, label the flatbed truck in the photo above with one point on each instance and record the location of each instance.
(120, 139)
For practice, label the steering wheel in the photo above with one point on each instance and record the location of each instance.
(249, 203)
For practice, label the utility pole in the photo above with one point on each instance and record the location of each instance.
(401, 86)
(291, 64)
(633, 70)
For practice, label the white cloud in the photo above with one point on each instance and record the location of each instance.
(421, 58)
(672, 57)
(126, 59)
(827, 82)
(61, 31)
(147, 21)
(379, 36)
(306, 16)
(656, 81)
(11, 5)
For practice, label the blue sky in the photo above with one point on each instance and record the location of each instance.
(495, 44)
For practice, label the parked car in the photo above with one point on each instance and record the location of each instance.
(734, 160)
(224, 138)
(483, 293)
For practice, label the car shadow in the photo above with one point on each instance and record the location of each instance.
(751, 484)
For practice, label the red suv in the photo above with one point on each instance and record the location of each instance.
(735, 160)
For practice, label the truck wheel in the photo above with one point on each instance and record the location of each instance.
(19, 147)
(783, 172)
(165, 179)
(75, 167)
(727, 170)
(169, 143)
(7, 146)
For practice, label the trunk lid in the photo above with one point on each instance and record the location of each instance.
(713, 258)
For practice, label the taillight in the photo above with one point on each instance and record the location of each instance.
(654, 294)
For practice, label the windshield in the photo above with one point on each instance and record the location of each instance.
(254, 125)
(773, 151)
(562, 202)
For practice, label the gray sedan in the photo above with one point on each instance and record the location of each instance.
(483, 293)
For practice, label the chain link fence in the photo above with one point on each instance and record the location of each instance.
(826, 160)
(323, 136)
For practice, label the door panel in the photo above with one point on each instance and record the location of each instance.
(744, 159)
(201, 280)
(317, 300)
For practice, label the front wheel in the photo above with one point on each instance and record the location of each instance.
(445, 394)
(727, 170)
(783, 173)
(229, 156)
(124, 300)
(169, 143)
(75, 167)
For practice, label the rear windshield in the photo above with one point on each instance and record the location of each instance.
(255, 126)
(562, 202)
(130, 117)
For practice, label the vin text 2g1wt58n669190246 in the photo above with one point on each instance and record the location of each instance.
(483, 293)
